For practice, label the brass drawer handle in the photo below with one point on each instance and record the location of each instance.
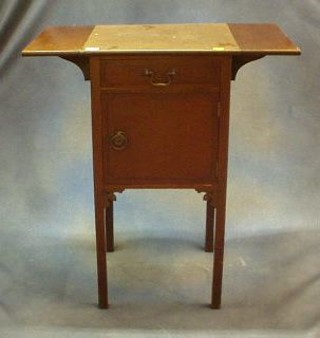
(119, 140)
(153, 78)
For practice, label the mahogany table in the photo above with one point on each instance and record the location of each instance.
(160, 112)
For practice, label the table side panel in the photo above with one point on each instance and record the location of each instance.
(263, 39)
(59, 40)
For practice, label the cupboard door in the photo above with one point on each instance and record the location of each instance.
(160, 139)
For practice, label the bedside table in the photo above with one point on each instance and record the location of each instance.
(160, 112)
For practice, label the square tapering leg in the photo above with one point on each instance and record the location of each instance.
(218, 253)
(210, 220)
(101, 253)
(109, 227)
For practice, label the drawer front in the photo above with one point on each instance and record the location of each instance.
(160, 71)
(160, 138)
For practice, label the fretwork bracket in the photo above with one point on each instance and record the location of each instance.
(209, 196)
(110, 197)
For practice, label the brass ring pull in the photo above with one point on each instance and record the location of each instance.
(119, 140)
(153, 78)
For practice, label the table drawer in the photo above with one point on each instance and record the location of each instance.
(160, 71)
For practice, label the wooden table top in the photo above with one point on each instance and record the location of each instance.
(218, 38)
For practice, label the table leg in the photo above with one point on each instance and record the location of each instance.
(218, 252)
(109, 227)
(209, 227)
(101, 252)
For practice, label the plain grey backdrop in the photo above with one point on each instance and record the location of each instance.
(159, 276)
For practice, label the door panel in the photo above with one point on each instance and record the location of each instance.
(168, 138)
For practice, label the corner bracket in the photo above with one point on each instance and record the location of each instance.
(240, 60)
(82, 62)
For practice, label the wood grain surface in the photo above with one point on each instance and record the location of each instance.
(210, 38)
(150, 38)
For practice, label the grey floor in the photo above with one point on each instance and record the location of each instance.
(159, 275)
